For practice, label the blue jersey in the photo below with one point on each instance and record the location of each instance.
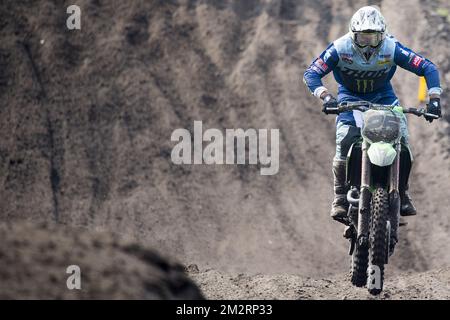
(357, 76)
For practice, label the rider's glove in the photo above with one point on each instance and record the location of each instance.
(433, 107)
(329, 102)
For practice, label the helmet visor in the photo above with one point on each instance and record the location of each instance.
(364, 39)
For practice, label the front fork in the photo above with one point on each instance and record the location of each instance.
(394, 193)
(365, 198)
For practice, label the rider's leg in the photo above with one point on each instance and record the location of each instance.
(339, 206)
(345, 134)
(407, 207)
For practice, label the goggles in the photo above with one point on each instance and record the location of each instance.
(365, 39)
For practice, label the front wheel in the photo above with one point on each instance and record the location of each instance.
(379, 240)
(360, 261)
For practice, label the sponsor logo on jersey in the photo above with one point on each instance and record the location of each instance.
(313, 67)
(416, 61)
(405, 52)
(365, 74)
(347, 57)
(321, 65)
(365, 86)
(384, 61)
(327, 55)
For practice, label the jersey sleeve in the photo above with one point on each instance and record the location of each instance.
(319, 68)
(413, 62)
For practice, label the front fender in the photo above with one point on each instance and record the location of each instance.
(381, 154)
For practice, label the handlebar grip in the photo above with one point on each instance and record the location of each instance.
(332, 110)
(431, 115)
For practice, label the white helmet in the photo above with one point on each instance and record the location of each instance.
(368, 30)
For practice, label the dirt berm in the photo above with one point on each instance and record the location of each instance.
(36, 263)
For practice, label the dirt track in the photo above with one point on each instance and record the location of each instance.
(215, 285)
(86, 120)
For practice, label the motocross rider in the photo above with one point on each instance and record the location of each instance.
(363, 62)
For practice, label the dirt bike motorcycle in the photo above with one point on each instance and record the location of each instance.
(378, 166)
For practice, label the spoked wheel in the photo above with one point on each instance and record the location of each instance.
(379, 240)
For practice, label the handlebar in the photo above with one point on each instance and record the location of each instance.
(364, 106)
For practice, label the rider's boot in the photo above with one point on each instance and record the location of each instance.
(407, 208)
(340, 206)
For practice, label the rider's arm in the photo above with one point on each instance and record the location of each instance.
(411, 61)
(319, 68)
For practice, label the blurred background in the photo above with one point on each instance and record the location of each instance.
(86, 118)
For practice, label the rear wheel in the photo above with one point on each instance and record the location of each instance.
(379, 240)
